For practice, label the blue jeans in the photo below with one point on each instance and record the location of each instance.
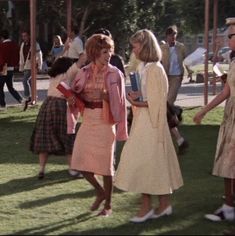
(27, 83)
(8, 80)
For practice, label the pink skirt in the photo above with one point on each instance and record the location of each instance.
(94, 145)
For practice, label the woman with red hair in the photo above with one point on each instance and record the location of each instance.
(102, 88)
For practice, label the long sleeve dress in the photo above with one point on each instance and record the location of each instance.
(148, 161)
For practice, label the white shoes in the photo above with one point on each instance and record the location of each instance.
(168, 211)
(75, 173)
(223, 213)
(137, 219)
(151, 215)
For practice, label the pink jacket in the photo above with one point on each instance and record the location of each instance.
(115, 85)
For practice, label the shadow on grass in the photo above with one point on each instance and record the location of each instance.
(169, 225)
(57, 198)
(50, 228)
(31, 183)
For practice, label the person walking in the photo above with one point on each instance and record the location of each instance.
(25, 64)
(149, 164)
(173, 54)
(73, 46)
(50, 135)
(9, 58)
(224, 163)
(102, 88)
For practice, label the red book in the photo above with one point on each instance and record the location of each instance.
(67, 92)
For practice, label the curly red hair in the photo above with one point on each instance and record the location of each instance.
(96, 43)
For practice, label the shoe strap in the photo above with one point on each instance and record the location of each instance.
(221, 215)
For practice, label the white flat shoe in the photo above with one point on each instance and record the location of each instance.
(168, 211)
(137, 219)
(223, 213)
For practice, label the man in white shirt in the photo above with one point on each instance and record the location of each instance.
(173, 54)
(73, 45)
(25, 64)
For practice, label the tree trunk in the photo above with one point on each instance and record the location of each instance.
(83, 21)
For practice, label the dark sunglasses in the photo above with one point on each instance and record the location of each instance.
(230, 35)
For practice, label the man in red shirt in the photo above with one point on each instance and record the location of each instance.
(9, 58)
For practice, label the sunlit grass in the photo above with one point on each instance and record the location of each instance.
(59, 205)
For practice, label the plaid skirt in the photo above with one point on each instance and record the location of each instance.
(50, 130)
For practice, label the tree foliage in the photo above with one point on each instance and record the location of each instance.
(121, 17)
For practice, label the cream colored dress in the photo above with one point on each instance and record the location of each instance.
(148, 161)
(224, 165)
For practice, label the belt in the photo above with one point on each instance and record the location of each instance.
(93, 105)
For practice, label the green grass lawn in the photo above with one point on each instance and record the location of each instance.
(59, 205)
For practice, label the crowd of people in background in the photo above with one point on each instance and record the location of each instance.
(96, 75)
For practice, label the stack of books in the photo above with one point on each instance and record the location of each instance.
(135, 83)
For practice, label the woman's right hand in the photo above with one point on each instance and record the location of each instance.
(198, 117)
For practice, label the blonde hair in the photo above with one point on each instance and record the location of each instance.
(150, 49)
(96, 43)
(59, 38)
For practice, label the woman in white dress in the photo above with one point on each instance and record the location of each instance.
(149, 164)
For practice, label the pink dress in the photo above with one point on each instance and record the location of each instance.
(94, 143)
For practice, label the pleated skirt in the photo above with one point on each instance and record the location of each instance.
(50, 130)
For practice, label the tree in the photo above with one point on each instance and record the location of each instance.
(121, 17)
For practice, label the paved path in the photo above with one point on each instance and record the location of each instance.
(190, 94)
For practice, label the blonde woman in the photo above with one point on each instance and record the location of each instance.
(149, 164)
(56, 50)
